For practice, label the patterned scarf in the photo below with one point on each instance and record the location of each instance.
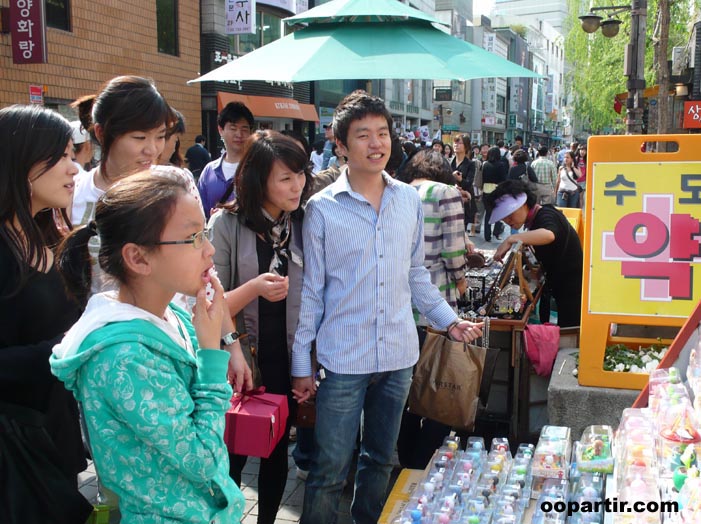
(278, 237)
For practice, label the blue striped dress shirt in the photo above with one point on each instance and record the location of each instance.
(362, 270)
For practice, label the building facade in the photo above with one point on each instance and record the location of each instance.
(452, 100)
(493, 92)
(275, 105)
(542, 47)
(158, 40)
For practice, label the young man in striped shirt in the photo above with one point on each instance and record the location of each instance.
(363, 260)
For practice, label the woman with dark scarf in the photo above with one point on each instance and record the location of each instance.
(258, 241)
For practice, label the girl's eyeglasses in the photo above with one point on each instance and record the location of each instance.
(197, 240)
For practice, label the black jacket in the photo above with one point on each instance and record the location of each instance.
(494, 174)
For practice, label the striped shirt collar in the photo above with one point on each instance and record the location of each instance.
(342, 185)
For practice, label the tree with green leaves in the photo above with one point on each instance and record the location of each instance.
(596, 62)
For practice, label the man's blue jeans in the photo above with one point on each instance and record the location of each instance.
(342, 402)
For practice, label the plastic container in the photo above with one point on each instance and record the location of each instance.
(595, 452)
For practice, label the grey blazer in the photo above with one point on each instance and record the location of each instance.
(236, 261)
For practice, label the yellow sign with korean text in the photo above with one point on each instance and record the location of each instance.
(642, 247)
(645, 238)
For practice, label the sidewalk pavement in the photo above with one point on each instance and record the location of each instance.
(292, 500)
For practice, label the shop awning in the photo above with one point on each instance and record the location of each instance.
(270, 106)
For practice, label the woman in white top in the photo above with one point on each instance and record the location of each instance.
(567, 188)
(128, 118)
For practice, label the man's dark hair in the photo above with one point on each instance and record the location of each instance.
(199, 139)
(233, 112)
(543, 151)
(357, 106)
(500, 143)
(409, 149)
(520, 156)
(396, 157)
(518, 138)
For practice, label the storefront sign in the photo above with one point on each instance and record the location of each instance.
(240, 17)
(443, 94)
(646, 238)
(28, 31)
(692, 115)
(36, 95)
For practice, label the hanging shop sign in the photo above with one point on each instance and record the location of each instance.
(692, 115)
(28, 29)
(240, 17)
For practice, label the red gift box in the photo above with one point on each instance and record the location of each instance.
(255, 423)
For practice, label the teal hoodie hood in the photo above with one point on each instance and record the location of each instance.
(101, 325)
(154, 406)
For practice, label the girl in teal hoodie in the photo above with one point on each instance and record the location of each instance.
(152, 384)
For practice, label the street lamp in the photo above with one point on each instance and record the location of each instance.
(634, 61)
(610, 27)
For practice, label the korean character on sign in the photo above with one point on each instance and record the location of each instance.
(25, 26)
(27, 48)
(25, 7)
(682, 247)
(620, 180)
(691, 184)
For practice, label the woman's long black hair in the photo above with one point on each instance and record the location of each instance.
(32, 135)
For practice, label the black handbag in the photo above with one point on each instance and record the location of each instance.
(34, 488)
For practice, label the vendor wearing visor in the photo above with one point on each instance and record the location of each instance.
(554, 241)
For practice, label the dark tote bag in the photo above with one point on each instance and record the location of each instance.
(447, 379)
(34, 489)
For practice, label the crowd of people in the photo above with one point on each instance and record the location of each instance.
(125, 305)
(138, 296)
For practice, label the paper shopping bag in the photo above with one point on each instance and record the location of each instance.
(446, 381)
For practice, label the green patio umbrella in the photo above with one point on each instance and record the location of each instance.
(366, 39)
